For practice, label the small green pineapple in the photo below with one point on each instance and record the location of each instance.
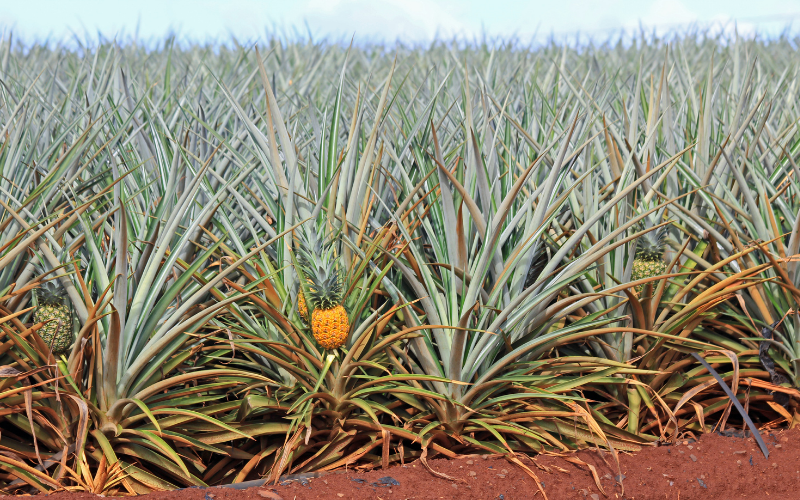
(54, 309)
(649, 258)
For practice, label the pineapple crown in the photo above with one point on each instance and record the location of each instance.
(50, 293)
(650, 245)
(320, 266)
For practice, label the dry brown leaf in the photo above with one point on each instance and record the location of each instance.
(577, 461)
(514, 460)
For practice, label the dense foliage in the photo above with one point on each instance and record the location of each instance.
(483, 206)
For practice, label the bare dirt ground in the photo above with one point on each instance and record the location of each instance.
(715, 467)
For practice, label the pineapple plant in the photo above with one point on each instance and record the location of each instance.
(649, 258)
(53, 309)
(321, 298)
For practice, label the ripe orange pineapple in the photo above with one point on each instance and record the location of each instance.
(302, 307)
(330, 326)
(320, 267)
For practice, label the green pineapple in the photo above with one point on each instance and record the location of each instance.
(54, 309)
(649, 258)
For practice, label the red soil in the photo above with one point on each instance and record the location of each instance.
(715, 468)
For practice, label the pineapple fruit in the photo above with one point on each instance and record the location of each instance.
(302, 306)
(330, 325)
(328, 317)
(649, 258)
(53, 310)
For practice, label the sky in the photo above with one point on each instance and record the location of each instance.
(414, 21)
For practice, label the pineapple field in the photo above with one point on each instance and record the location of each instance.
(222, 263)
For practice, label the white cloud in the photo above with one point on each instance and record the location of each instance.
(387, 20)
(665, 13)
(384, 20)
